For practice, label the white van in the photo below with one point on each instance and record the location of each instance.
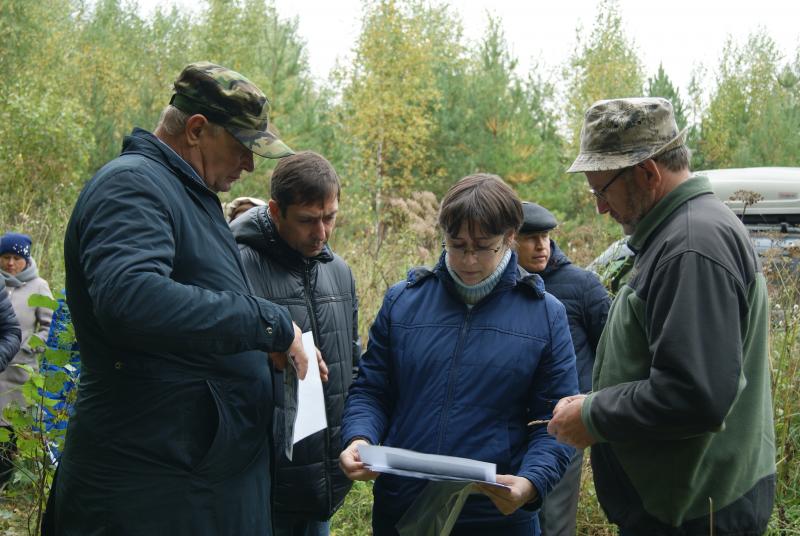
(779, 188)
(774, 218)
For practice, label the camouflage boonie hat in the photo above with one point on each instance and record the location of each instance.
(619, 133)
(232, 101)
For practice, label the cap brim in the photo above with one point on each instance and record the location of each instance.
(590, 161)
(261, 143)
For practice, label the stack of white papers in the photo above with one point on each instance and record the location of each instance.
(310, 398)
(405, 462)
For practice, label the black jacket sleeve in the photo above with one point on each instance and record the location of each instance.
(10, 334)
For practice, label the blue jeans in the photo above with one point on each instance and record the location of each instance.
(291, 526)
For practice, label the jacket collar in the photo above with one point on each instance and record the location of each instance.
(512, 276)
(557, 259)
(688, 189)
(256, 229)
(147, 144)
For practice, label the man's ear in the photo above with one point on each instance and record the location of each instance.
(194, 128)
(651, 173)
(274, 210)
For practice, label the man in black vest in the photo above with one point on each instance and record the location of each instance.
(288, 261)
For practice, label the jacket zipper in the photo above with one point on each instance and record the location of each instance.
(315, 331)
(450, 378)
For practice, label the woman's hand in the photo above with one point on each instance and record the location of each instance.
(351, 464)
(508, 500)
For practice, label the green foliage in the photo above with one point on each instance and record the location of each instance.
(36, 435)
(661, 86)
(756, 102)
(492, 121)
(387, 102)
(269, 51)
(604, 65)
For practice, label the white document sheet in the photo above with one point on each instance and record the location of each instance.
(405, 462)
(310, 398)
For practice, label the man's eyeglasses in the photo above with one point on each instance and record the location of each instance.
(601, 193)
(482, 254)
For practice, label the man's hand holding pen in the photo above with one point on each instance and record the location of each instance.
(566, 425)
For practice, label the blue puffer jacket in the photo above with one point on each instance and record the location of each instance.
(441, 378)
(587, 304)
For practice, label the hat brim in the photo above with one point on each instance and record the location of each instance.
(596, 161)
(263, 144)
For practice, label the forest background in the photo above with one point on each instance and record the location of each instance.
(416, 108)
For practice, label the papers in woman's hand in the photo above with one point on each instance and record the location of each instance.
(405, 462)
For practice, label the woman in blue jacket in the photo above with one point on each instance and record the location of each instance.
(460, 359)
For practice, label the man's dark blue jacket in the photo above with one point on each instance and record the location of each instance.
(10, 334)
(587, 303)
(170, 432)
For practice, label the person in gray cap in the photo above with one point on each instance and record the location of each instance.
(171, 424)
(680, 417)
(587, 302)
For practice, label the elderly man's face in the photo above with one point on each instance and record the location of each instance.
(223, 158)
(624, 200)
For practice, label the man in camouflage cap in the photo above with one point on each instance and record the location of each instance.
(232, 101)
(170, 432)
(680, 417)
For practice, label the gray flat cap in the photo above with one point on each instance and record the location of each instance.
(536, 218)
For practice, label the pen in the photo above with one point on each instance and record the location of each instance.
(534, 423)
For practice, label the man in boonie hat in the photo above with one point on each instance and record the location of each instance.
(680, 413)
(586, 302)
(175, 403)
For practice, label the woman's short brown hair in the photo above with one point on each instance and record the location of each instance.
(484, 202)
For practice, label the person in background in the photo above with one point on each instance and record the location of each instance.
(18, 270)
(680, 417)
(461, 358)
(288, 261)
(170, 433)
(587, 303)
(240, 205)
(10, 334)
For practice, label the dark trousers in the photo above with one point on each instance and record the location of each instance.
(559, 512)
(291, 526)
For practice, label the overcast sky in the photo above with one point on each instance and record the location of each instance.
(680, 33)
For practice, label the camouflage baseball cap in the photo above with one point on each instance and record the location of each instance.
(229, 99)
(619, 133)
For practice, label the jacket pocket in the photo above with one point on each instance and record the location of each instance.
(213, 436)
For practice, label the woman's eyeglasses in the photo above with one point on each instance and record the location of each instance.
(482, 254)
